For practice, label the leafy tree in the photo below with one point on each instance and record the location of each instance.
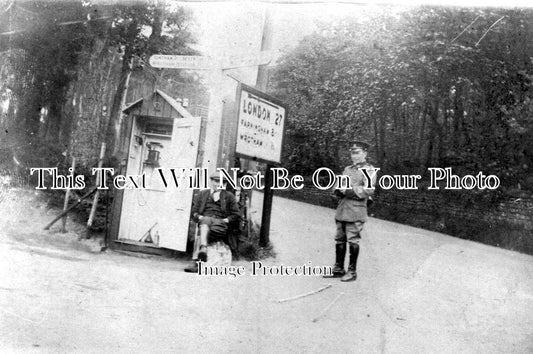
(429, 86)
(58, 68)
(139, 31)
(40, 45)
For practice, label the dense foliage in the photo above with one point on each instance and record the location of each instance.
(427, 86)
(65, 69)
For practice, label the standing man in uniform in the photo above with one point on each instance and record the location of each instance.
(351, 213)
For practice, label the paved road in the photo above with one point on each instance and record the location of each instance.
(417, 292)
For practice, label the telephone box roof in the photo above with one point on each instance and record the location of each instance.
(172, 102)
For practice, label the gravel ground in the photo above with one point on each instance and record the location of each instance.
(417, 292)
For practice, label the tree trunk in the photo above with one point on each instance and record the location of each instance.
(376, 139)
(54, 125)
(157, 28)
(382, 135)
(113, 125)
(433, 133)
(396, 135)
(29, 113)
(443, 130)
(420, 134)
(458, 118)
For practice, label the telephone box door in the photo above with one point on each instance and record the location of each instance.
(158, 216)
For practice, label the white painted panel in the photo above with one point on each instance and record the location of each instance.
(177, 211)
(164, 212)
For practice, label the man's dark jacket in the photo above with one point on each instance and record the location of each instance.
(228, 204)
(230, 208)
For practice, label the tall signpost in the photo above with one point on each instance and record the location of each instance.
(261, 118)
(262, 82)
(260, 130)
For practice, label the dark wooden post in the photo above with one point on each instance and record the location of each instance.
(261, 84)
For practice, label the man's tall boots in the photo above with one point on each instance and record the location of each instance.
(351, 275)
(338, 268)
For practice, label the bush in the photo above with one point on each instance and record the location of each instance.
(249, 248)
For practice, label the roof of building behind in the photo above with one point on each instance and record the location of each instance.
(172, 102)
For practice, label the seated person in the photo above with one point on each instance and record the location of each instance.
(213, 209)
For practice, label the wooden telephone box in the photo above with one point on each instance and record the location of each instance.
(158, 133)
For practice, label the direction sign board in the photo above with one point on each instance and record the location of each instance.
(260, 125)
(191, 62)
(240, 60)
(197, 62)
